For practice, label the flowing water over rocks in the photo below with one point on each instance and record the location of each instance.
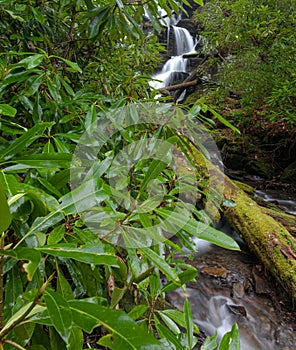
(232, 287)
(175, 68)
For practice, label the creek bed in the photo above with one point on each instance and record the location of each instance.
(233, 287)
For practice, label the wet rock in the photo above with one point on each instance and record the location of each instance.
(261, 285)
(238, 310)
(238, 290)
(214, 271)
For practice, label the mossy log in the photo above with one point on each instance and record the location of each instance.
(268, 239)
(271, 209)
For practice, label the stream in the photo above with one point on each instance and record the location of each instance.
(234, 287)
(231, 286)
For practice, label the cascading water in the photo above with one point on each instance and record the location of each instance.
(176, 66)
(168, 22)
(184, 40)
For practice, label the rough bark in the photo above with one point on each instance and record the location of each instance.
(266, 237)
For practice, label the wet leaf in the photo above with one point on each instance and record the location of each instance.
(82, 198)
(230, 340)
(189, 323)
(28, 254)
(31, 61)
(41, 161)
(164, 332)
(126, 334)
(59, 313)
(160, 262)
(188, 275)
(95, 253)
(199, 229)
(210, 343)
(7, 110)
(138, 311)
(5, 216)
(25, 140)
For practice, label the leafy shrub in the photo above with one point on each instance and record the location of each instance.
(255, 43)
(67, 68)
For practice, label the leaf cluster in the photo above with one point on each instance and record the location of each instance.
(256, 45)
(78, 256)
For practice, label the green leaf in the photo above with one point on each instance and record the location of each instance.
(179, 318)
(189, 323)
(5, 216)
(82, 198)
(138, 311)
(43, 223)
(41, 161)
(221, 119)
(199, 229)
(76, 339)
(63, 286)
(160, 262)
(56, 235)
(167, 334)
(155, 168)
(100, 18)
(71, 64)
(117, 295)
(19, 314)
(125, 332)
(31, 61)
(185, 276)
(38, 15)
(59, 313)
(230, 340)
(23, 253)
(49, 187)
(54, 92)
(170, 323)
(19, 18)
(7, 110)
(95, 253)
(25, 140)
(210, 343)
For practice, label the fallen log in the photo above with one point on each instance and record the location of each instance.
(178, 86)
(271, 209)
(268, 239)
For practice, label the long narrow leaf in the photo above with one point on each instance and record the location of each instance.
(161, 264)
(125, 332)
(82, 198)
(43, 223)
(6, 109)
(25, 140)
(95, 253)
(5, 217)
(59, 313)
(199, 229)
(39, 161)
(189, 323)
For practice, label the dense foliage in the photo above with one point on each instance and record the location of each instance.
(82, 263)
(254, 46)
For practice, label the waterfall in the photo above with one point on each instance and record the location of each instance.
(176, 66)
(168, 22)
(184, 40)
